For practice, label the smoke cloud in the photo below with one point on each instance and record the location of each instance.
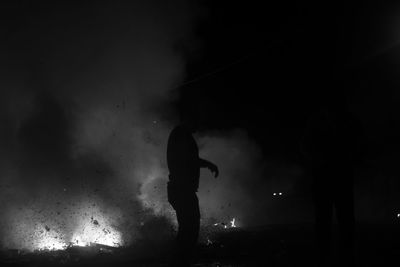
(86, 112)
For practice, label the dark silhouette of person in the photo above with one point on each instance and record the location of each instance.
(184, 171)
(331, 145)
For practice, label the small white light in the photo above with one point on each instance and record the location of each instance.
(398, 215)
(274, 194)
(280, 193)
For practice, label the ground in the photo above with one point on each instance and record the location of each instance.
(275, 245)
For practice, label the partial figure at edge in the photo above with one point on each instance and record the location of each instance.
(332, 148)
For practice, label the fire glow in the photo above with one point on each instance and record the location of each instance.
(83, 226)
(93, 232)
(232, 224)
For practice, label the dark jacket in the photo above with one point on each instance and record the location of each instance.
(183, 160)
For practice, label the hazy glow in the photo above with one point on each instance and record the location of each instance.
(95, 227)
(84, 225)
(90, 233)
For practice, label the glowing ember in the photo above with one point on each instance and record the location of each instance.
(233, 223)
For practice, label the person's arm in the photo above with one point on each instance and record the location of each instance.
(211, 166)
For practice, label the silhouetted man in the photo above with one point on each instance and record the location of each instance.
(184, 171)
(331, 147)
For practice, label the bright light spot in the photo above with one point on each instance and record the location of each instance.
(96, 231)
(233, 223)
(90, 235)
(48, 240)
(280, 193)
(50, 243)
(230, 224)
(77, 241)
(398, 215)
(274, 194)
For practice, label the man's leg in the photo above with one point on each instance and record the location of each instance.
(344, 202)
(323, 216)
(323, 225)
(188, 215)
(177, 201)
(194, 225)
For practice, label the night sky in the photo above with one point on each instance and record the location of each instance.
(271, 65)
(90, 91)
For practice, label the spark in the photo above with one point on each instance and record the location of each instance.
(231, 224)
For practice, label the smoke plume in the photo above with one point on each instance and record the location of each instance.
(85, 114)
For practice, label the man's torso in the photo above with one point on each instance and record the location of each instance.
(182, 160)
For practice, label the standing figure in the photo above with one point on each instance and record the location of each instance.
(184, 172)
(331, 146)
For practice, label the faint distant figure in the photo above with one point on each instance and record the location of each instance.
(331, 145)
(184, 171)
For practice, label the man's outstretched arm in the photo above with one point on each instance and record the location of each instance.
(211, 166)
